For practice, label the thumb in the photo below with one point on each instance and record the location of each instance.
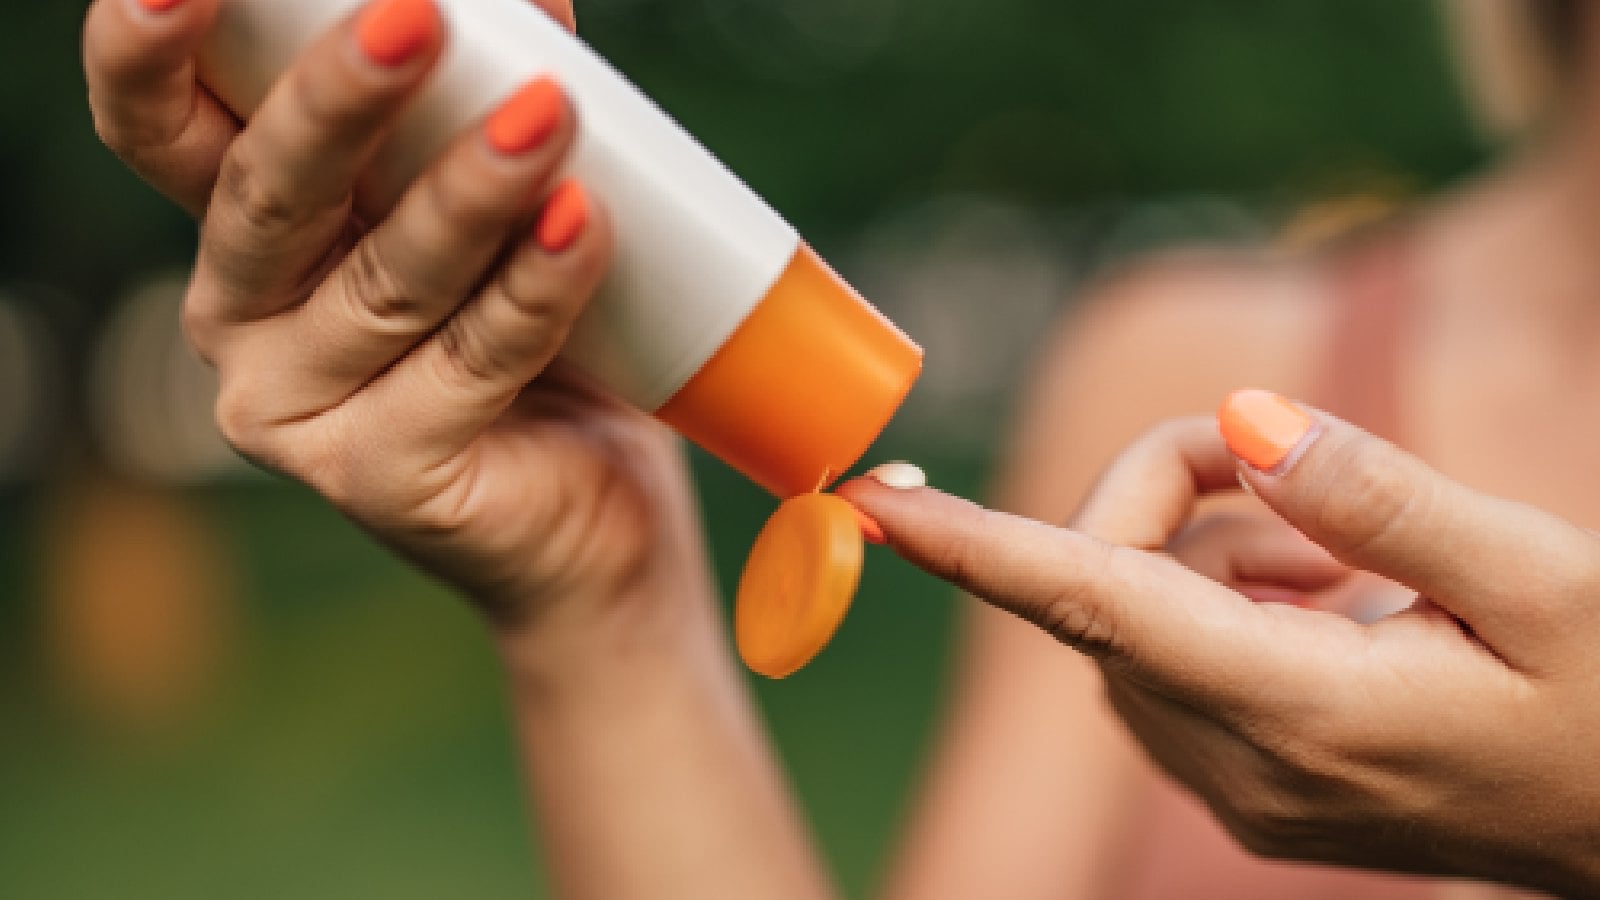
(1141, 613)
(1514, 574)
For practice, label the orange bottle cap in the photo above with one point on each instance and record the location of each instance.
(803, 386)
(797, 583)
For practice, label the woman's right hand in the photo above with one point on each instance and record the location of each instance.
(402, 362)
(1456, 737)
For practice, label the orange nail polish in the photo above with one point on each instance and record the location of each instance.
(1262, 428)
(527, 118)
(391, 32)
(159, 6)
(565, 214)
(871, 531)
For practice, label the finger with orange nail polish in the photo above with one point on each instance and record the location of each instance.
(527, 118)
(564, 216)
(1264, 429)
(394, 32)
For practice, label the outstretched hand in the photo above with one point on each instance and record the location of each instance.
(1454, 737)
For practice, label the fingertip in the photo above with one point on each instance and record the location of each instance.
(862, 492)
(131, 38)
(903, 515)
(393, 33)
(529, 118)
(564, 217)
(168, 13)
(571, 236)
(1265, 430)
(871, 531)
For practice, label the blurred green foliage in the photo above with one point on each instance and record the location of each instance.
(358, 747)
(1051, 102)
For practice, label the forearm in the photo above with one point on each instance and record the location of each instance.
(650, 775)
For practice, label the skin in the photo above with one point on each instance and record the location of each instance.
(400, 362)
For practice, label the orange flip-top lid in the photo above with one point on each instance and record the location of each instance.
(798, 583)
(794, 397)
(804, 385)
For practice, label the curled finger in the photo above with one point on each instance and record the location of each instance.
(148, 106)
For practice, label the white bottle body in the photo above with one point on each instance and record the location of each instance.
(696, 249)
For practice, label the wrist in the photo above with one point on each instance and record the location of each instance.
(585, 645)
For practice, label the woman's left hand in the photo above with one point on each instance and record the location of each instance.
(1455, 737)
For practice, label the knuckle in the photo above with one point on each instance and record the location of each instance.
(262, 206)
(544, 312)
(239, 420)
(441, 516)
(135, 139)
(471, 199)
(541, 309)
(332, 99)
(337, 476)
(1070, 615)
(543, 329)
(547, 293)
(464, 360)
(111, 133)
(376, 294)
(199, 328)
(1372, 498)
(122, 132)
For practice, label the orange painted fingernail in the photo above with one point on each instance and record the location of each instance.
(871, 531)
(1262, 428)
(159, 6)
(527, 118)
(391, 32)
(565, 214)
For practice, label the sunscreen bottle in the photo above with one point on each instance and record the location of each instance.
(715, 315)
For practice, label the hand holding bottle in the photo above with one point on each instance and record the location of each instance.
(400, 362)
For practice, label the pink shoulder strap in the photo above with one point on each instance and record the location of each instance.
(1374, 292)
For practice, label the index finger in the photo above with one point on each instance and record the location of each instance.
(1142, 614)
(138, 60)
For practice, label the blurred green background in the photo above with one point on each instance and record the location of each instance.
(333, 724)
